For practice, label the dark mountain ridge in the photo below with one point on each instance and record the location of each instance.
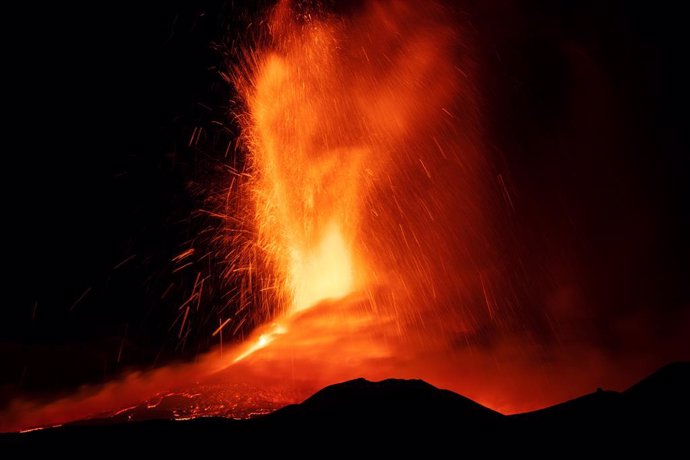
(398, 415)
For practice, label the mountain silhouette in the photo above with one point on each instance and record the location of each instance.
(665, 393)
(393, 400)
(404, 416)
(662, 396)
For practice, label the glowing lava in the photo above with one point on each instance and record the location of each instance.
(323, 272)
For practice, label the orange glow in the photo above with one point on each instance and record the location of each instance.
(323, 272)
(367, 246)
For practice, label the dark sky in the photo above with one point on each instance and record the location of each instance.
(585, 105)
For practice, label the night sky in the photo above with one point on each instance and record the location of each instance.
(585, 106)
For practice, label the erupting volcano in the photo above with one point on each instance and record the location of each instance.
(368, 228)
(357, 225)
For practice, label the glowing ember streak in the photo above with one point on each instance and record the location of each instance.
(263, 340)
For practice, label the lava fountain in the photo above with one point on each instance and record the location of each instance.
(364, 168)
